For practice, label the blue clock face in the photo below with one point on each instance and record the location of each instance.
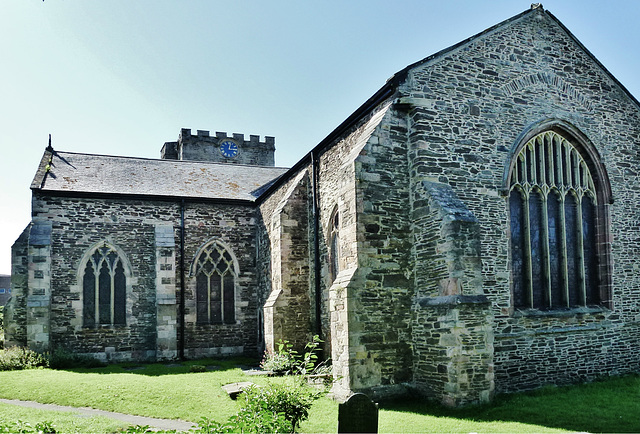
(229, 148)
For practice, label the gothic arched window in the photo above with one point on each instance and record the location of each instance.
(215, 286)
(334, 245)
(553, 204)
(104, 288)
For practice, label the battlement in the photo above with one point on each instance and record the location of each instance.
(202, 146)
(185, 134)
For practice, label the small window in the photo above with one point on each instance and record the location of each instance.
(104, 288)
(215, 286)
(2, 290)
(553, 225)
(334, 245)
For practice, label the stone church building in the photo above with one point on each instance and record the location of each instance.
(472, 228)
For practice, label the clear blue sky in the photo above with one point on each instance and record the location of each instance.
(122, 77)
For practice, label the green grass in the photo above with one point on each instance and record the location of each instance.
(15, 416)
(158, 390)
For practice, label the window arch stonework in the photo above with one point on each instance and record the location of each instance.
(104, 278)
(557, 222)
(334, 244)
(215, 273)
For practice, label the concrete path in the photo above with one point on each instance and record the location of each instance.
(163, 424)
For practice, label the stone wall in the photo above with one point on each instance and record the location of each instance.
(288, 309)
(204, 147)
(147, 233)
(15, 311)
(235, 227)
(468, 110)
(453, 349)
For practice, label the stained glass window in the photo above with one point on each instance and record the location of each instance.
(104, 288)
(553, 207)
(215, 286)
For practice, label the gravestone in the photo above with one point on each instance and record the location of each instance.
(358, 414)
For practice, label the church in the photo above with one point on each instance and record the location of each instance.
(471, 229)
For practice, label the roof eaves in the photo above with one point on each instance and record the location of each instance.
(40, 177)
(150, 197)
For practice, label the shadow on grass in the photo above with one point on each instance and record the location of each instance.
(611, 405)
(156, 369)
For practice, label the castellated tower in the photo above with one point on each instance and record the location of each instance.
(221, 148)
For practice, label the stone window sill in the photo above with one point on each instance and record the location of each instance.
(566, 312)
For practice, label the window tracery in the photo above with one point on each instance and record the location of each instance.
(104, 288)
(215, 285)
(553, 222)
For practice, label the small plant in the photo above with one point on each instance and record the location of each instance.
(45, 427)
(283, 361)
(293, 400)
(64, 359)
(16, 358)
(21, 427)
(246, 421)
(286, 361)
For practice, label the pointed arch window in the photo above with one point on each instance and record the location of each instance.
(553, 205)
(215, 286)
(104, 288)
(334, 245)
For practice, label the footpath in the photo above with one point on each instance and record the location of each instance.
(162, 424)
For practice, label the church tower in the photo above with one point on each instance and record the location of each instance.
(221, 148)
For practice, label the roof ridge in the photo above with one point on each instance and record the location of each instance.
(125, 157)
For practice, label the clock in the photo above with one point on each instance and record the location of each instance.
(229, 148)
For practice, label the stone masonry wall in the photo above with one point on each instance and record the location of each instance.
(453, 347)
(134, 227)
(468, 108)
(364, 174)
(288, 309)
(204, 147)
(15, 312)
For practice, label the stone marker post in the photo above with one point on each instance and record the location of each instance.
(358, 414)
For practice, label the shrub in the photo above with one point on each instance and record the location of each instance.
(293, 400)
(19, 426)
(63, 359)
(286, 361)
(16, 358)
(246, 421)
(283, 361)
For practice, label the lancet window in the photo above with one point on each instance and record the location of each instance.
(554, 223)
(215, 286)
(334, 245)
(104, 288)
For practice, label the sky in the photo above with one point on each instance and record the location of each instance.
(121, 77)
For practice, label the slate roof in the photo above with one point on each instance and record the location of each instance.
(99, 175)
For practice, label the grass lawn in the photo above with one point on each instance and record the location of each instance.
(171, 391)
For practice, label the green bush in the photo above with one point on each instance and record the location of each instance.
(16, 358)
(246, 421)
(283, 361)
(287, 361)
(63, 359)
(293, 400)
(25, 427)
